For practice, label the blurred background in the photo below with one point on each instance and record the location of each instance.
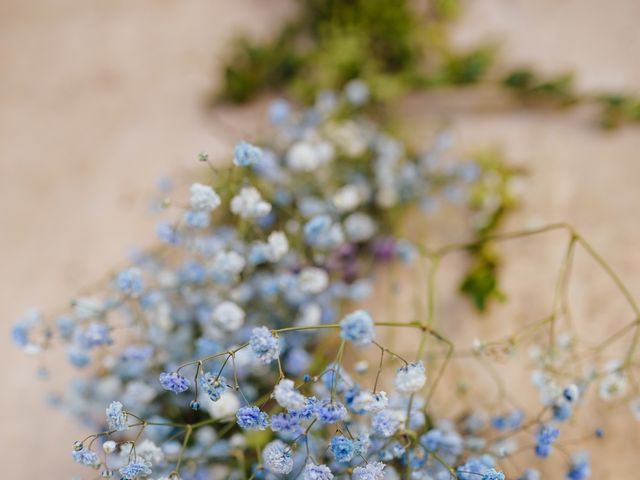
(99, 99)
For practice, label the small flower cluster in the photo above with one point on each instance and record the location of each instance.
(237, 357)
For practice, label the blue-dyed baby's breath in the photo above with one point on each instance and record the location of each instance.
(174, 382)
(252, 418)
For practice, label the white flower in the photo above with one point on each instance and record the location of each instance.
(249, 204)
(613, 366)
(226, 265)
(349, 137)
(277, 457)
(410, 378)
(145, 450)
(565, 340)
(204, 198)
(548, 389)
(305, 156)
(109, 446)
(369, 402)
(278, 246)
(310, 315)
(613, 386)
(386, 197)
(228, 316)
(313, 280)
(504, 447)
(287, 396)
(370, 471)
(348, 198)
(361, 366)
(150, 451)
(359, 227)
(225, 407)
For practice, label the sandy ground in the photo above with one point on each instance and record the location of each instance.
(100, 98)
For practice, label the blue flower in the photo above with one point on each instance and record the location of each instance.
(252, 418)
(580, 468)
(362, 444)
(321, 232)
(287, 424)
(547, 434)
(116, 417)
(474, 467)
(167, 233)
(22, 328)
(336, 377)
(246, 155)
(342, 448)
(358, 328)
(264, 345)
(93, 335)
(129, 282)
(197, 218)
(174, 382)
(571, 393)
(511, 421)
(20, 335)
(316, 472)
(370, 471)
(446, 443)
(562, 410)
(308, 411)
(297, 361)
(78, 357)
(277, 457)
(213, 386)
(137, 469)
(493, 474)
(85, 457)
(331, 411)
(278, 111)
(386, 423)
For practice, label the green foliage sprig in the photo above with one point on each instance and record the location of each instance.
(395, 47)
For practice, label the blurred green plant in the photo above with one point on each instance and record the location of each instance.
(395, 47)
(493, 199)
(531, 88)
(388, 44)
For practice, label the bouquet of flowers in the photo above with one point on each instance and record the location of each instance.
(237, 348)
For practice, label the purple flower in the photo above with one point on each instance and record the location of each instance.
(174, 382)
(252, 418)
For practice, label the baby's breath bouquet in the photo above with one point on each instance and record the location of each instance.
(240, 348)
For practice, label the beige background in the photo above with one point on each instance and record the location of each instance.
(100, 98)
